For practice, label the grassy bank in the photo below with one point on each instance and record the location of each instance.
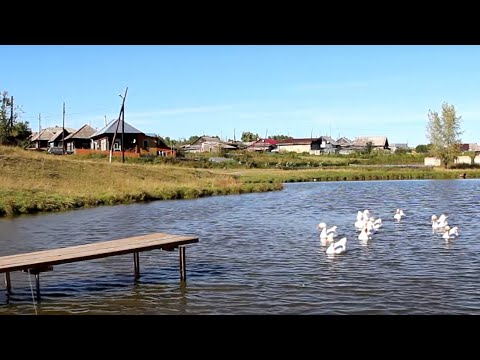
(33, 182)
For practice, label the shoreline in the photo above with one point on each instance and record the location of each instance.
(32, 183)
(248, 181)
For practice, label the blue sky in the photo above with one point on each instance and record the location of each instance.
(301, 91)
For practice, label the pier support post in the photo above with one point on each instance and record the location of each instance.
(37, 284)
(136, 265)
(8, 283)
(183, 265)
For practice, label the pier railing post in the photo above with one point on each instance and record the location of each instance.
(183, 266)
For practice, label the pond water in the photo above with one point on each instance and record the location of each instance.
(261, 254)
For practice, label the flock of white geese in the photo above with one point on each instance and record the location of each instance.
(367, 225)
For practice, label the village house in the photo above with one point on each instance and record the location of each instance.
(295, 145)
(49, 137)
(207, 144)
(80, 139)
(378, 143)
(345, 146)
(136, 143)
(324, 145)
(395, 146)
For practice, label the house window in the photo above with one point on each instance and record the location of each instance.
(145, 144)
(117, 145)
(103, 144)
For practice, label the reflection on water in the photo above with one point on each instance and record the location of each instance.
(261, 254)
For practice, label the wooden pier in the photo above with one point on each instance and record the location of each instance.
(41, 261)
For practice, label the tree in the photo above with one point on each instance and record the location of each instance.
(12, 131)
(280, 137)
(170, 142)
(247, 136)
(192, 139)
(369, 147)
(443, 131)
(423, 148)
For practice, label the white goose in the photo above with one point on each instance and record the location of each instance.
(360, 223)
(364, 234)
(326, 236)
(439, 223)
(337, 247)
(450, 233)
(332, 230)
(377, 223)
(399, 214)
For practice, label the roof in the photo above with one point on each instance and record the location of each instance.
(83, 133)
(49, 132)
(205, 138)
(55, 129)
(344, 141)
(264, 143)
(112, 126)
(57, 136)
(303, 141)
(328, 139)
(268, 141)
(44, 135)
(375, 140)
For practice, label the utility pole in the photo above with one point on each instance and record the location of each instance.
(11, 113)
(123, 131)
(121, 117)
(39, 129)
(123, 124)
(63, 130)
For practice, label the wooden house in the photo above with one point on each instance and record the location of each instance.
(345, 146)
(136, 142)
(50, 137)
(324, 145)
(80, 139)
(378, 142)
(295, 145)
(204, 144)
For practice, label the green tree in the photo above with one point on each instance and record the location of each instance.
(247, 136)
(170, 142)
(12, 130)
(280, 137)
(192, 139)
(423, 148)
(443, 132)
